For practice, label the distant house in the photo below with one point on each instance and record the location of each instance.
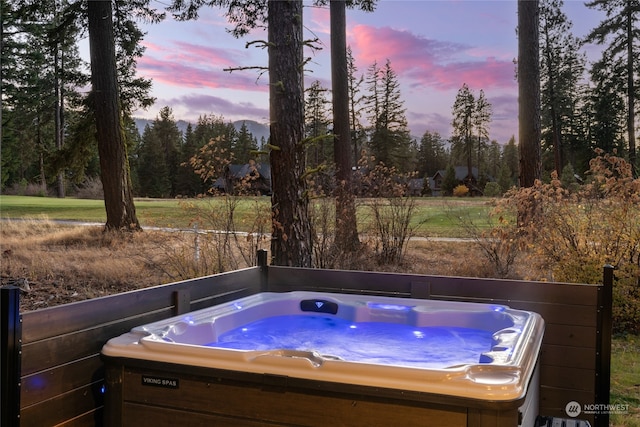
(417, 186)
(462, 176)
(250, 178)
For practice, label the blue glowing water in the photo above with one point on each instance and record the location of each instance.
(367, 342)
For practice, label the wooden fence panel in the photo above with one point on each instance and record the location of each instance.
(62, 373)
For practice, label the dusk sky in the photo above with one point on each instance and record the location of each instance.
(434, 46)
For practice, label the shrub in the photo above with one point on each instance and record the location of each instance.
(492, 189)
(90, 189)
(461, 190)
(391, 211)
(575, 233)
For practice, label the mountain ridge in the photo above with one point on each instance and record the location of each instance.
(258, 130)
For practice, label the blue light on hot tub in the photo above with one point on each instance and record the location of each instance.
(237, 306)
(189, 320)
(498, 308)
(393, 307)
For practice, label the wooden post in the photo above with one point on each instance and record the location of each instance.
(264, 268)
(181, 301)
(10, 353)
(603, 345)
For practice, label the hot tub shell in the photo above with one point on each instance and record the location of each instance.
(163, 374)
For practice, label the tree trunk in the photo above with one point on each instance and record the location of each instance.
(631, 119)
(529, 105)
(114, 164)
(291, 228)
(346, 224)
(529, 91)
(59, 115)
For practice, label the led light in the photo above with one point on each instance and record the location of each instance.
(395, 307)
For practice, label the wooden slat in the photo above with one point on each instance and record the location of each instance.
(57, 350)
(566, 313)
(515, 290)
(63, 407)
(553, 397)
(570, 336)
(285, 278)
(88, 419)
(52, 382)
(159, 417)
(48, 322)
(484, 418)
(568, 378)
(564, 356)
(289, 406)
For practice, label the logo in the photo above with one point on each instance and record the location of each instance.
(573, 409)
(160, 381)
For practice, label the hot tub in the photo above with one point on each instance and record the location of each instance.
(308, 358)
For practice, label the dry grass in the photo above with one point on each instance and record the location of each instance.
(63, 264)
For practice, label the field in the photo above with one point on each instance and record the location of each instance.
(433, 216)
(58, 263)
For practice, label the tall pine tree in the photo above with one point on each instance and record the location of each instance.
(389, 140)
(621, 26)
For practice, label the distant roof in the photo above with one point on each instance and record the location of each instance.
(461, 172)
(240, 171)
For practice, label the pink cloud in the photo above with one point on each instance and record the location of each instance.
(320, 19)
(427, 62)
(188, 65)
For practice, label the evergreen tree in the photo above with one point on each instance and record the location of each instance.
(449, 182)
(607, 109)
(166, 130)
(188, 183)
(389, 139)
(494, 159)
(621, 25)
(432, 154)
(319, 146)
(481, 120)
(210, 127)
(561, 67)
(245, 145)
(153, 170)
(510, 158)
(462, 142)
(504, 178)
(356, 108)
(41, 81)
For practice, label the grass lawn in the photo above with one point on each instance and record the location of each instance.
(432, 216)
(625, 379)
